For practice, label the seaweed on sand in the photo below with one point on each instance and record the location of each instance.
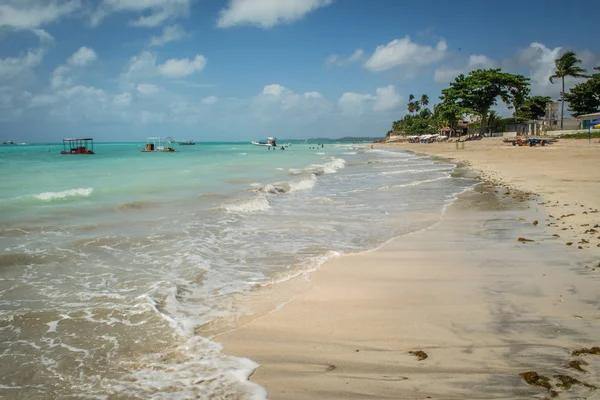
(420, 354)
(593, 350)
(523, 240)
(566, 382)
(577, 364)
(532, 378)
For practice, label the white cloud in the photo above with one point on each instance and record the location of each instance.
(43, 100)
(44, 36)
(122, 100)
(267, 13)
(11, 67)
(447, 74)
(539, 60)
(336, 60)
(62, 75)
(180, 68)
(82, 57)
(59, 78)
(171, 33)
(314, 95)
(405, 52)
(159, 11)
(139, 67)
(33, 14)
(147, 89)
(385, 99)
(276, 104)
(210, 100)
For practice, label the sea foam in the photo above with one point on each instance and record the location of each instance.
(49, 196)
(248, 206)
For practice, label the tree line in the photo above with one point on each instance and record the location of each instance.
(476, 93)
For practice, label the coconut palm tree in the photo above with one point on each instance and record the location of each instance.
(566, 65)
(424, 100)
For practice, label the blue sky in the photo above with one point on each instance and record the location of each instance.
(245, 69)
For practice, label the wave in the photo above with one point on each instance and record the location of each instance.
(330, 167)
(415, 183)
(49, 196)
(248, 206)
(417, 171)
(288, 187)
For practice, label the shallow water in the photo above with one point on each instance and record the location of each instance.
(110, 262)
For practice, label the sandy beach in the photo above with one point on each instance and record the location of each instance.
(481, 305)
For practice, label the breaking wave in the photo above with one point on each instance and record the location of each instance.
(248, 206)
(49, 196)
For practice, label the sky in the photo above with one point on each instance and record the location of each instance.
(229, 70)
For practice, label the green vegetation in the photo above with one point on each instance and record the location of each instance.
(479, 91)
(533, 107)
(476, 93)
(581, 135)
(566, 65)
(585, 97)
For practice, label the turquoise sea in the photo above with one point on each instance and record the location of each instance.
(111, 264)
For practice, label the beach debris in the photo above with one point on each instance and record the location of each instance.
(569, 243)
(583, 241)
(330, 368)
(532, 378)
(592, 350)
(577, 364)
(524, 240)
(566, 382)
(556, 235)
(591, 231)
(420, 354)
(535, 222)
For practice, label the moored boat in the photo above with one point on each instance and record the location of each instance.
(78, 146)
(187, 143)
(158, 144)
(271, 141)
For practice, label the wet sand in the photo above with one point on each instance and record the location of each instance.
(482, 305)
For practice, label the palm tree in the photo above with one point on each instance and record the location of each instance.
(566, 65)
(424, 100)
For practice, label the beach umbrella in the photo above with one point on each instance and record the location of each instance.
(593, 124)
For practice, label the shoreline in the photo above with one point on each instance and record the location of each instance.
(347, 328)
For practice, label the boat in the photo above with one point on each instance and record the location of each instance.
(187, 143)
(271, 141)
(78, 146)
(158, 144)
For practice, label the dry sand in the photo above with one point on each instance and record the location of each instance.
(483, 306)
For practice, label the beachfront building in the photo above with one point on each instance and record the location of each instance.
(551, 120)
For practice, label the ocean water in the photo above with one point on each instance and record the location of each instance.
(111, 264)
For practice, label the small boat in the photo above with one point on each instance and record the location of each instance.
(158, 144)
(187, 143)
(78, 146)
(271, 141)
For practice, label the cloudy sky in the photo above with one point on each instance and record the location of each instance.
(244, 69)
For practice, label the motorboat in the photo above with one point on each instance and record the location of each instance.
(271, 141)
(78, 146)
(187, 143)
